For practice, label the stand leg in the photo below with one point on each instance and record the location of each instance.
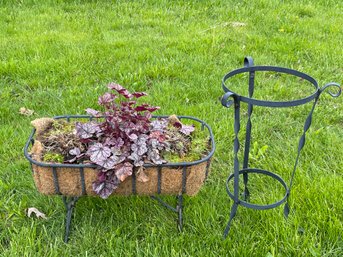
(232, 215)
(179, 209)
(246, 193)
(69, 203)
(286, 207)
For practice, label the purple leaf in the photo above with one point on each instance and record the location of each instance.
(133, 137)
(155, 157)
(142, 138)
(146, 107)
(101, 176)
(158, 135)
(86, 130)
(124, 170)
(98, 152)
(93, 112)
(187, 130)
(119, 142)
(107, 164)
(139, 94)
(121, 90)
(75, 151)
(115, 86)
(159, 124)
(105, 189)
(137, 159)
(140, 149)
(115, 142)
(118, 158)
(177, 125)
(106, 98)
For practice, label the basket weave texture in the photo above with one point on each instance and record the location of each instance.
(70, 184)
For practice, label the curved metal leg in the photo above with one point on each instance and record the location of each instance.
(69, 203)
(178, 209)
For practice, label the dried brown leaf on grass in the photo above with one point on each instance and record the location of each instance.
(38, 213)
(26, 112)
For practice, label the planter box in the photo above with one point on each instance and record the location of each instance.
(76, 179)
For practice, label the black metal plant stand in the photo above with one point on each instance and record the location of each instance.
(70, 201)
(231, 98)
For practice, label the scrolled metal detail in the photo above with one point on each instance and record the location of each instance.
(332, 84)
(248, 61)
(225, 99)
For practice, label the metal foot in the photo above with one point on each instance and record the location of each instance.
(232, 215)
(69, 203)
(178, 209)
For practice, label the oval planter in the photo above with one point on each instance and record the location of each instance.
(76, 179)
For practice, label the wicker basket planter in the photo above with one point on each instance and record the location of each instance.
(76, 179)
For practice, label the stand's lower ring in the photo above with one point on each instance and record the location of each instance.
(257, 206)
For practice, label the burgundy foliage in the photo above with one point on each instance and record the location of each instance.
(126, 138)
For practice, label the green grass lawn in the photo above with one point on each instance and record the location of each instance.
(56, 58)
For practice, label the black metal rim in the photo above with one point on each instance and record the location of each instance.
(272, 103)
(69, 117)
(258, 206)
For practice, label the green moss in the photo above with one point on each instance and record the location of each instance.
(199, 147)
(62, 127)
(53, 157)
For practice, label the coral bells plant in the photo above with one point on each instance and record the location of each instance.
(124, 136)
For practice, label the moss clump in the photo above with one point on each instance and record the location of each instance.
(62, 127)
(53, 157)
(60, 138)
(198, 148)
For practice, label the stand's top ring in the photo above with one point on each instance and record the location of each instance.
(252, 69)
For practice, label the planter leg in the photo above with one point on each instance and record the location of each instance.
(179, 209)
(232, 215)
(69, 203)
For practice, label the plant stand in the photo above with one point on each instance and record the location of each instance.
(52, 177)
(70, 204)
(231, 98)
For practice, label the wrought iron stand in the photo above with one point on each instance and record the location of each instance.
(70, 203)
(231, 98)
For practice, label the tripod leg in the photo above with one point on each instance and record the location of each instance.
(232, 215)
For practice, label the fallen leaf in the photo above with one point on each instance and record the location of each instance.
(25, 111)
(36, 212)
(142, 176)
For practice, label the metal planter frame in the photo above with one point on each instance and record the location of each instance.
(70, 201)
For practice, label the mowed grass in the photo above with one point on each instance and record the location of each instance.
(57, 57)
